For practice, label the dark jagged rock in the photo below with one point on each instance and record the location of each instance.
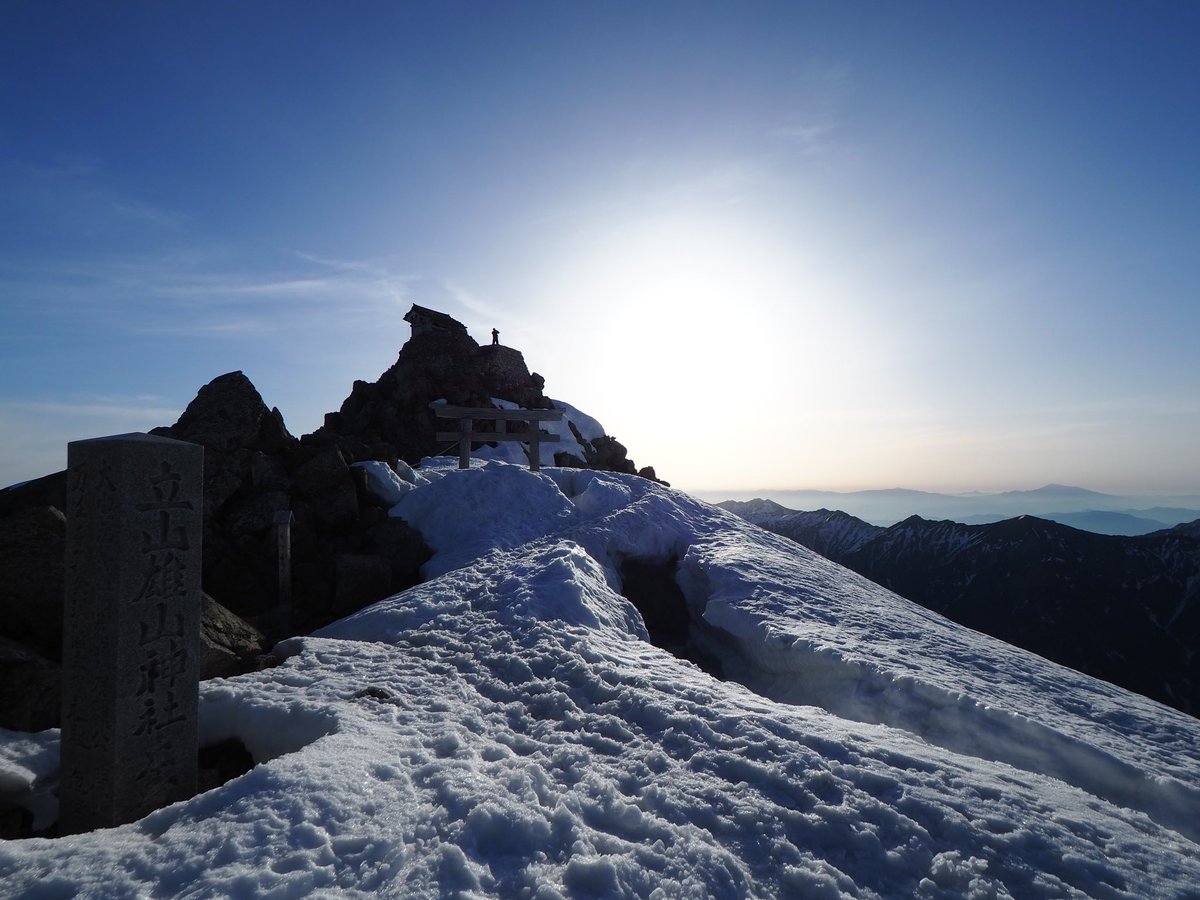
(504, 374)
(424, 321)
(228, 645)
(229, 419)
(346, 551)
(442, 362)
(609, 454)
(439, 364)
(228, 414)
(238, 431)
(254, 469)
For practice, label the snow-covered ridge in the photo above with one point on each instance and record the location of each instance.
(777, 653)
(507, 729)
(1095, 603)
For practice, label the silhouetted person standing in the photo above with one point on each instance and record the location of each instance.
(495, 337)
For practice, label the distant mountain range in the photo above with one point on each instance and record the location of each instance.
(1078, 507)
(1124, 609)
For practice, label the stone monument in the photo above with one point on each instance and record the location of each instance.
(131, 628)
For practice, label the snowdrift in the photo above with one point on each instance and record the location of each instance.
(507, 728)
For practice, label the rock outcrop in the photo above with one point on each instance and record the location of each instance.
(253, 470)
(390, 418)
(346, 551)
(32, 547)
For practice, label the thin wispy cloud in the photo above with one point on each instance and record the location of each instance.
(152, 215)
(149, 409)
(813, 138)
(473, 302)
(813, 124)
(207, 292)
(288, 287)
(78, 196)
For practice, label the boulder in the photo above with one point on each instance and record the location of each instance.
(503, 373)
(228, 644)
(609, 455)
(648, 473)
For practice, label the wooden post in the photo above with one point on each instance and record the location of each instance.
(464, 442)
(535, 447)
(283, 543)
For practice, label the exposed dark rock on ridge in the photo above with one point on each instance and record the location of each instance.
(1123, 609)
(253, 469)
(346, 551)
(390, 418)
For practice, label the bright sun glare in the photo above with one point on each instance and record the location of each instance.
(695, 314)
(687, 299)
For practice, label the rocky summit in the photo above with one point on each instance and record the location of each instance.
(391, 417)
(347, 552)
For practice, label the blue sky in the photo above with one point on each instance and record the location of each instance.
(829, 245)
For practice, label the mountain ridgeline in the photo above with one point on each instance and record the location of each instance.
(391, 417)
(1123, 609)
(1078, 507)
(347, 552)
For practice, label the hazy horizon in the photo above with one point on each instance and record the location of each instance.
(949, 492)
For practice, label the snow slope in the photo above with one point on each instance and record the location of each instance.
(506, 729)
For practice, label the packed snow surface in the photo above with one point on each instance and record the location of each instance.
(507, 729)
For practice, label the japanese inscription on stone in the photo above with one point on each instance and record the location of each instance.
(131, 628)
